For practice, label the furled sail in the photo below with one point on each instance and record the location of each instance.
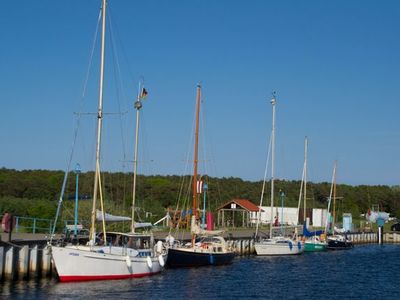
(110, 217)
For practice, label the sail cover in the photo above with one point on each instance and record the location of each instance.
(308, 233)
(109, 217)
(112, 218)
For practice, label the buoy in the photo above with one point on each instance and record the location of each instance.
(128, 261)
(161, 260)
(149, 262)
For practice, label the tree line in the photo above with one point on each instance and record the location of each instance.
(35, 193)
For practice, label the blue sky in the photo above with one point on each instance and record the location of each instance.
(335, 66)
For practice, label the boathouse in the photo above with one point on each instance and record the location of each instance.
(237, 213)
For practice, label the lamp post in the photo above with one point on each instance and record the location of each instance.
(77, 172)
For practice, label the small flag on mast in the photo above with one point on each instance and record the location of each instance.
(143, 93)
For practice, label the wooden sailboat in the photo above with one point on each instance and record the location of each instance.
(335, 241)
(127, 255)
(312, 240)
(276, 245)
(206, 247)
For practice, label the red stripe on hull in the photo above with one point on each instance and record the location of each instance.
(69, 278)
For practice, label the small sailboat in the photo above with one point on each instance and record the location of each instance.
(312, 240)
(110, 255)
(335, 241)
(207, 247)
(275, 245)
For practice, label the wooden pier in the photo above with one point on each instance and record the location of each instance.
(22, 260)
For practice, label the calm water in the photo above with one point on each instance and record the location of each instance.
(366, 272)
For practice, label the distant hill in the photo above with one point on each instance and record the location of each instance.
(41, 188)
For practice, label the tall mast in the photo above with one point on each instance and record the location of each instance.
(196, 151)
(196, 157)
(138, 106)
(273, 102)
(99, 121)
(330, 197)
(305, 178)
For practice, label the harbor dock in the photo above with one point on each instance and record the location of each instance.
(27, 256)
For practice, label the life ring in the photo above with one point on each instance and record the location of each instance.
(204, 246)
(6, 224)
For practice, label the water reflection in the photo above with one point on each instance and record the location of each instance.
(365, 272)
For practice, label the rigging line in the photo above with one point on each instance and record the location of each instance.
(118, 88)
(204, 138)
(114, 35)
(206, 146)
(186, 166)
(301, 192)
(125, 56)
(91, 56)
(191, 139)
(214, 170)
(118, 84)
(75, 133)
(182, 185)
(263, 187)
(203, 135)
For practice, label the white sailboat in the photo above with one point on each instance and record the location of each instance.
(127, 255)
(275, 245)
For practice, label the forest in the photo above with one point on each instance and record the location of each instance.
(35, 193)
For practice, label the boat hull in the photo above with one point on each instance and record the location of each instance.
(314, 247)
(339, 245)
(83, 264)
(178, 257)
(273, 248)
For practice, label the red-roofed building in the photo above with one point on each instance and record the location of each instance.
(237, 213)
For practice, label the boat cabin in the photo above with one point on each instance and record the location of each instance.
(128, 240)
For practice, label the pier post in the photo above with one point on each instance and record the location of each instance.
(380, 231)
(23, 262)
(33, 262)
(46, 262)
(9, 263)
(237, 246)
(1, 262)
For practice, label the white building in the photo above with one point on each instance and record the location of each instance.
(289, 215)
